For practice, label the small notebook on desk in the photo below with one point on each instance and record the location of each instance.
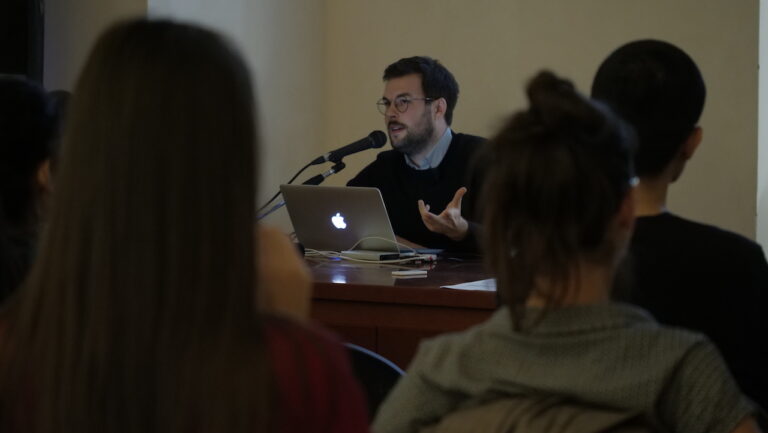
(349, 219)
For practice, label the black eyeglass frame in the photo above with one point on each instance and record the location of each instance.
(401, 101)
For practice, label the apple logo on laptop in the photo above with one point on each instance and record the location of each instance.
(338, 221)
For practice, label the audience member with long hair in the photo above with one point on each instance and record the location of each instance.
(27, 126)
(558, 215)
(139, 314)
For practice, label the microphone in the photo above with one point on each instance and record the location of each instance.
(374, 140)
(317, 180)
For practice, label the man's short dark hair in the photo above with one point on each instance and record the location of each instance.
(658, 88)
(436, 80)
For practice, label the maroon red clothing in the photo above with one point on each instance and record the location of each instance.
(313, 379)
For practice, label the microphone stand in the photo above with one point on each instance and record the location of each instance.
(270, 211)
(374, 140)
(315, 180)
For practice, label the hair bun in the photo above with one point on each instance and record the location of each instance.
(557, 105)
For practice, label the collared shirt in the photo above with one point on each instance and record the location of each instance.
(435, 157)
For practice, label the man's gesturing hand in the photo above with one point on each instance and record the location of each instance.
(449, 222)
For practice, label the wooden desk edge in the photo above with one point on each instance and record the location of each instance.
(405, 295)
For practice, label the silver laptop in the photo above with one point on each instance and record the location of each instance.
(335, 218)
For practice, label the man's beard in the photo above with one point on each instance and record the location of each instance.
(416, 140)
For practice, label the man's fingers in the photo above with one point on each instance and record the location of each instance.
(432, 221)
(426, 216)
(423, 208)
(456, 202)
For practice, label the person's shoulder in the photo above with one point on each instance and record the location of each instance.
(464, 151)
(383, 165)
(312, 377)
(700, 393)
(467, 139)
(282, 331)
(664, 338)
(696, 233)
(456, 347)
(387, 155)
(624, 323)
(312, 353)
(643, 340)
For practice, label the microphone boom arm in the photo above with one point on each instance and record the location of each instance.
(317, 180)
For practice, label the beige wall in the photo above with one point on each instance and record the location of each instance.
(71, 27)
(283, 43)
(318, 67)
(494, 46)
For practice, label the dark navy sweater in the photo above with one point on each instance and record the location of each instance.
(710, 280)
(402, 186)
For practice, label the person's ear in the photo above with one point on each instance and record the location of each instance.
(441, 105)
(677, 165)
(625, 218)
(43, 176)
(692, 143)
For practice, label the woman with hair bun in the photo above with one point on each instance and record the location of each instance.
(558, 214)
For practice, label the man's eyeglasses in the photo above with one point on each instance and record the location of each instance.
(401, 103)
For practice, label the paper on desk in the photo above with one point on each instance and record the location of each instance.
(488, 285)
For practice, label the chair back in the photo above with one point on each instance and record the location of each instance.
(376, 374)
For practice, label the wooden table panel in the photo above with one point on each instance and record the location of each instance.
(369, 307)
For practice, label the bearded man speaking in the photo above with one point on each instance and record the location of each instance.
(426, 180)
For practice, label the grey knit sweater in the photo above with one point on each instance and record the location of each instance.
(611, 355)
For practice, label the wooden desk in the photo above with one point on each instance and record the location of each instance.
(367, 306)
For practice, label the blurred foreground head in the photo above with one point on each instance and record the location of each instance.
(139, 314)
